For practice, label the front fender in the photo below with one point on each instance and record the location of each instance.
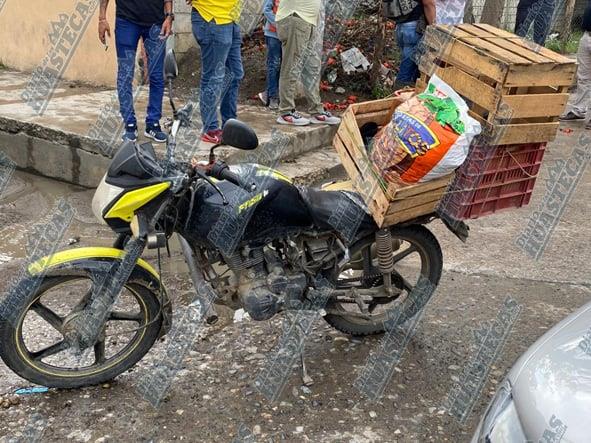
(99, 259)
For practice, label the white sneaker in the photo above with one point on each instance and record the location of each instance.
(325, 118)
(293, 118)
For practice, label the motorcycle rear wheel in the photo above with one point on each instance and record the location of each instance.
(421, 242)
(30, 342)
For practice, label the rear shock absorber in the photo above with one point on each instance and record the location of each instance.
(385, 255)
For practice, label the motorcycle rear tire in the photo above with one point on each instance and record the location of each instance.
(429, 248)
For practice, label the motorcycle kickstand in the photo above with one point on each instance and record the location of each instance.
(306, 379)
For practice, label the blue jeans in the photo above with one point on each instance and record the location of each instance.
(540, 13)
(273, 66)
(127, 36)
(221, 69)
(408, 39)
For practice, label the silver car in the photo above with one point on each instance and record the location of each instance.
(546, 396)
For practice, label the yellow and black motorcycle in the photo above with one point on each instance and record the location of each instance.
(251, 239)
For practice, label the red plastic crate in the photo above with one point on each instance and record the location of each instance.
(493, 178)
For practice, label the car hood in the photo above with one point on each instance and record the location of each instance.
(552, 381)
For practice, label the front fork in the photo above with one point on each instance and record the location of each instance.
(89, 325)
(205, 293)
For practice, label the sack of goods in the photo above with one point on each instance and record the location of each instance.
(427, 138)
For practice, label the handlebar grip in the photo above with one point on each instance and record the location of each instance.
(221, 171)
(226, 174)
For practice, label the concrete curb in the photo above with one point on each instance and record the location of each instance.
(52, 153)
(79, 159)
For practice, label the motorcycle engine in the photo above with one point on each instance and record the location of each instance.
(275, 277)
(264, 286)
(313, 252)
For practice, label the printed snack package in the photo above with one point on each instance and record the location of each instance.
(427, 138)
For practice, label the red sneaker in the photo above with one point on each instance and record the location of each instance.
(214, 136)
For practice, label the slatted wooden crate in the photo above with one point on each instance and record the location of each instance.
(515, 88)
(388, 203)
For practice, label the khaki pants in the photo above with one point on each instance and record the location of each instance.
(296, 35)
(581, 99)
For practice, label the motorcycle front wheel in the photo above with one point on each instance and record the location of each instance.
(32, 332)
(417, 255)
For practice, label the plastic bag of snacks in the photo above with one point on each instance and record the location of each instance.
(428, 137)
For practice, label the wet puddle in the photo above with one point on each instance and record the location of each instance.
(29, 201)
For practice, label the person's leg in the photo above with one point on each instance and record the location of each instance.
(522, 19)
(155, 50)
(408, 39)
(311, 82)
(234, 75)
(127, 35)
(543, 20)
(273, 66)
(215, 42)
(294, 33)
(582, 96)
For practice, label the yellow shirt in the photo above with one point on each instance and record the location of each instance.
(222, 11)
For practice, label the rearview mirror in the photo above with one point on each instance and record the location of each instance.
(171, 69)
(239, 135)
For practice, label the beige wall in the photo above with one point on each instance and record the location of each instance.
(25, 28)
(24, 33)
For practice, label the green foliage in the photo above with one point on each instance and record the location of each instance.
(556, 43)
(381, 91)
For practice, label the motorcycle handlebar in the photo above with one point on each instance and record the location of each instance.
(221, 171)
(184, 114)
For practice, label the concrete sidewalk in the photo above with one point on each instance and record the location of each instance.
(67, 141)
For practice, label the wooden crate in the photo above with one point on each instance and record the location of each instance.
(388, 203)
(515, 88)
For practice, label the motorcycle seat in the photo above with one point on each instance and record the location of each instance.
(336, 210)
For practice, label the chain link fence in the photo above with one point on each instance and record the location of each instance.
(506, 12)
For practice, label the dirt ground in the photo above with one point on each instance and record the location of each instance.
(213, 397)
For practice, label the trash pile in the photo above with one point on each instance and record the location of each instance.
(348, 52)
(349, 62)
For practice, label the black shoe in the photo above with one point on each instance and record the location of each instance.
(570, 116)
(130, 133)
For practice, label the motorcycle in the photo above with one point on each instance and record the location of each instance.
(250, 238)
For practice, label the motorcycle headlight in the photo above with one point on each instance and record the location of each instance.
(500, 422)
(103, 196)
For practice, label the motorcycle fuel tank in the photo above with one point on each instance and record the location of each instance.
(273, 209)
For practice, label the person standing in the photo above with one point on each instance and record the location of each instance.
(537, 11)
(411, 17)
(581, 99)
(216, 29)
(150, 20)
(296, 21)
(270, 97)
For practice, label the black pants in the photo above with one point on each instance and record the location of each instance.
(540, 13)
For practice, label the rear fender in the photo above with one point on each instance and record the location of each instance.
(99, 260)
